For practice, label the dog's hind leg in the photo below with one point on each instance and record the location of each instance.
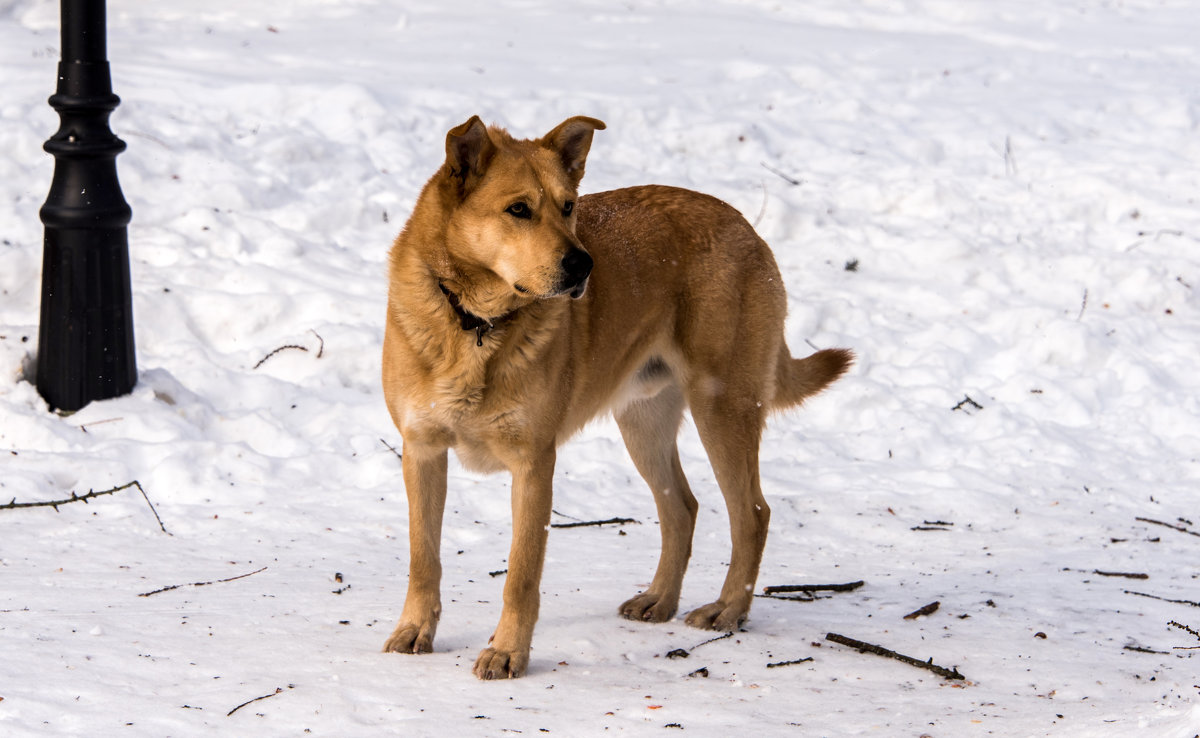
(730, 425)
(649, 428)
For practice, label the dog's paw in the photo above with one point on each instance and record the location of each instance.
(496, 664)
(649, 607)
(410, 638)
(717, 616)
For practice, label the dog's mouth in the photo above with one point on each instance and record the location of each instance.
(573, 274)
(574, 292)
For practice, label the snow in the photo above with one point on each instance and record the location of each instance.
(1015, 182)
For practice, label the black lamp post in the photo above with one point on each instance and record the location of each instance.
(85, 339)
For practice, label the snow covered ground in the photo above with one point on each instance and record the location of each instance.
(984, 200)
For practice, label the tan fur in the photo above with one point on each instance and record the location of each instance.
(684, 308)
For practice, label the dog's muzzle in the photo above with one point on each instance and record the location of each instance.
(576, 267)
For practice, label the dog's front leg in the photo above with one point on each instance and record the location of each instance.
(508, 655)
(425, 484)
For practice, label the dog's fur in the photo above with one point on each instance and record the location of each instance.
(517, 313)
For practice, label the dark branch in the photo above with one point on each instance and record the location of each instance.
(786, 178)
(91, 495)
(713, 640)
(263, 360)
(610, 521)
(1164, 599)
(789, 663)
(201, 584)
(802, 597)
(321, 348)
(683, 653)
(256, 699)
(1181, 626)
(1139, 649)
(785, 588)
(888, 653)
(1172, 526)
(967, 402)
(392, 449)
(1126, 575)
(926, 610)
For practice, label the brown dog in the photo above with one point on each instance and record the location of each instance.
(517, 313)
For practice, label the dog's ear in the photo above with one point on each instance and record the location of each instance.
(469, 150)
(572, 140)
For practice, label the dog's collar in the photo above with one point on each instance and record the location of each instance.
(470, 321)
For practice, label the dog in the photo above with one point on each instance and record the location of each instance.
(518, 311)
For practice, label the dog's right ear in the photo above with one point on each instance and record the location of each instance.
(469, 150)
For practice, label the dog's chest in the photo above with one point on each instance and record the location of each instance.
(487, 428)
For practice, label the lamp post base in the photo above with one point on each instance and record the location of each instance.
(85, 338)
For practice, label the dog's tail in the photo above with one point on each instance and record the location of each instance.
(799, 379)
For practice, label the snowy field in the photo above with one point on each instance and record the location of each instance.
(985, 200)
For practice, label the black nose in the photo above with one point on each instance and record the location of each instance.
(576, 266)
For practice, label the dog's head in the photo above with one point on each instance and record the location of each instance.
(511, 225)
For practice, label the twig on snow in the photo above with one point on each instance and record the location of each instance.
(777, 664)
(713, 640)
(1083, 306)
(806, 592)
(201, 584)
(683, 653)
(263, 360)
(802, 597)
(85, 426)
(1181, 626)
(1172, 526)
(91, 494)
(392, 449)
(321, 348)
(1144, 236)
(1010, 158)
(785, 588)
(1140, 649)
(888, 653)
(1125, 574)
(256, 699)
(967, 402)
(1164, 599)
(581, 524)
(926, 610)
(790, 180)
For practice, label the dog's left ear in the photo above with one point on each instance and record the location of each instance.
(572, 140)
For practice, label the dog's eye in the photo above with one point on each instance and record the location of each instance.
(568, 208)
(519, 210)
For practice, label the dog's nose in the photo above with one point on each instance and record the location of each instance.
(576, 266)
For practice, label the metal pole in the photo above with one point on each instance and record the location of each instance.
(85, 339)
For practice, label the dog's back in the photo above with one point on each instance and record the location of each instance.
(690, 265)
